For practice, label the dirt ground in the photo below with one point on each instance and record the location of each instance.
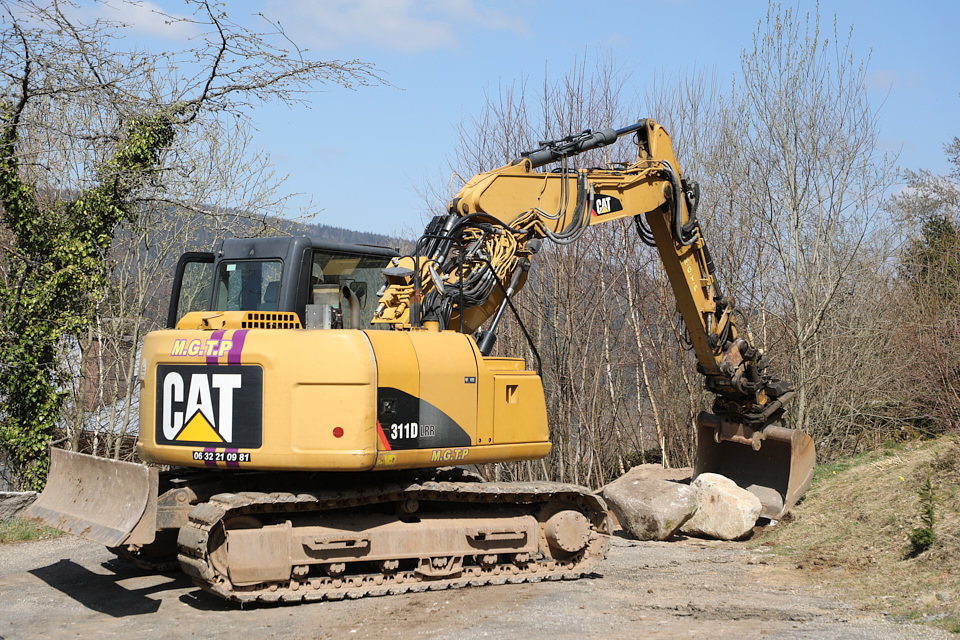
(70, 588)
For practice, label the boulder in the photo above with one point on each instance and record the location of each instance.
(12, 503)
(724, 510)
(650, 508)
(682, 474)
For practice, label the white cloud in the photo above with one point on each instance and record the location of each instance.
(143, 18)
(401, 25)
(881, 79)
(149, 19)
(910, 79)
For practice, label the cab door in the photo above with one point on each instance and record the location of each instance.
(192, 283)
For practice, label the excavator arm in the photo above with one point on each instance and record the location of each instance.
(471, 261)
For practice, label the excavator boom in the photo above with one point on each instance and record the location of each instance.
(470, 263)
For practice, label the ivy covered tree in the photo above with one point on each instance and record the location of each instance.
(91, 136)
(55, 268)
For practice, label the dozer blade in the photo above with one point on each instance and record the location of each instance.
(98, 499)
(773, 463)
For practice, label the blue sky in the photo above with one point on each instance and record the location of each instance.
(363, 156)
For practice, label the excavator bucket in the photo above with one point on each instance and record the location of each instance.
(774, 463)
(107, 501)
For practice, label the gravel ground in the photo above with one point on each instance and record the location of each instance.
(70, 588)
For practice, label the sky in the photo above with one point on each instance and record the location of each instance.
(363, 157)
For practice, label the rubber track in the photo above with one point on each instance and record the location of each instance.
(194, 559)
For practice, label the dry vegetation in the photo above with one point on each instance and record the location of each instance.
(852, 532)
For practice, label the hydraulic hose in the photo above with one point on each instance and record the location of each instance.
(685, 234)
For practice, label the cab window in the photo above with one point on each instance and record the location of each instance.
(248, 285)
(362, 273)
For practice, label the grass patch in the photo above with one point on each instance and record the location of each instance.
(852, 532)
(20, 530)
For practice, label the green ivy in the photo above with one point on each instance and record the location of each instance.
(56, 269)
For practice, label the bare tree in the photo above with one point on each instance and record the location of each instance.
(804, 146)
(792, 186)
(73, 105)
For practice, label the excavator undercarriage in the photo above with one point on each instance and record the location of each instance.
(391, 537)
(313, 536)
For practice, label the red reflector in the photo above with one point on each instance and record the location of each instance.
(338, 432)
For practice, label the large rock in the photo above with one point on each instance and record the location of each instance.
(681, 474)
(724, 510)
(649, 508)
(12, 503)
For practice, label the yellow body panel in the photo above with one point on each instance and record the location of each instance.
(448, 373)
(334, 400)
(313, 383)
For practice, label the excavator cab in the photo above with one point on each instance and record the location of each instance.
(297, 275)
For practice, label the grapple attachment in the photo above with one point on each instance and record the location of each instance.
(773, 463)
(98, 499)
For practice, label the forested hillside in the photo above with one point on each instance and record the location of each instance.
(347, 236)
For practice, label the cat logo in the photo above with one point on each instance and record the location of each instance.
(211, 405)
(606, 204)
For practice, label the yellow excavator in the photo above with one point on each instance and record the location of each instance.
(314, 422)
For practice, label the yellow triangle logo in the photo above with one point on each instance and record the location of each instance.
(199, 429)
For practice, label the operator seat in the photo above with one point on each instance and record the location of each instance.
(270, 296)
